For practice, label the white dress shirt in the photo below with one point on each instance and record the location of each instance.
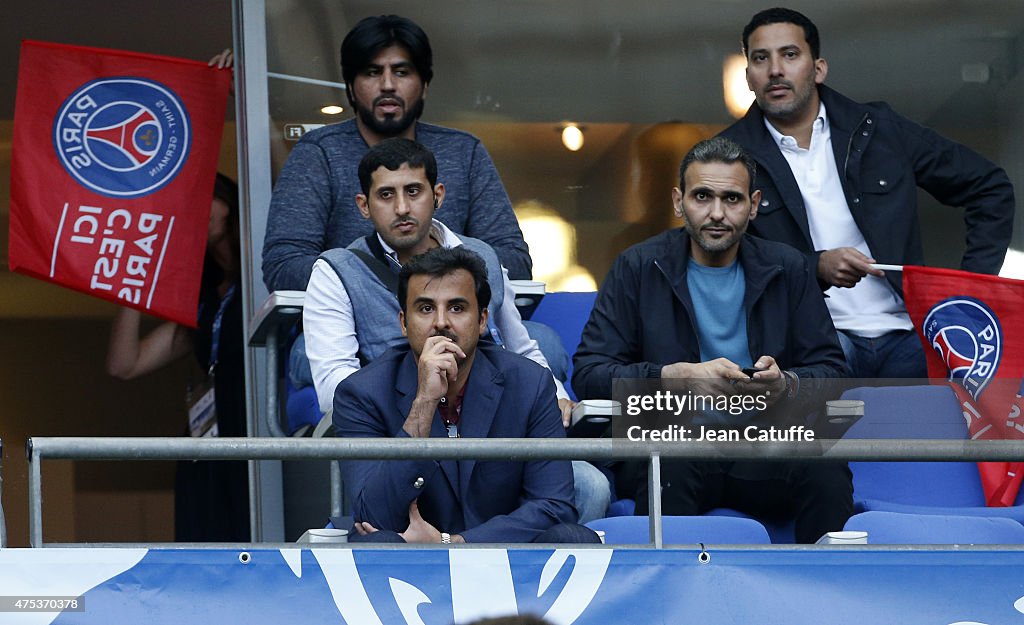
(871, 307)
(332, 345)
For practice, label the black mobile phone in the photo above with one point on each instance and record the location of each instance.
(750, 371)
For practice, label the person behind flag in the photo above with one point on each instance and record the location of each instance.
(445, 382)
(696, 305)
(211, 497)
(838, 181)
(110, 156)
(386, 62)
(350, 313)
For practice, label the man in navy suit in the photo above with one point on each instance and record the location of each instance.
(445, 383)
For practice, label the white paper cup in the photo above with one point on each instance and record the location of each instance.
(327, 535)
(844, 410)
(844, 537)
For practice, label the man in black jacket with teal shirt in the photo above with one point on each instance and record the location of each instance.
(703, 303)
(838, 181)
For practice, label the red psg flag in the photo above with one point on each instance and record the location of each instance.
(112, 172)
(972, 327)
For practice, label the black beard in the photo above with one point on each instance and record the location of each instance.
(716, 247)
(390, 127)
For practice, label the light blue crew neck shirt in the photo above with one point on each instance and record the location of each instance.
(717, 294)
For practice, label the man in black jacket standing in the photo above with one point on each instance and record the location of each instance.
(838, 181)
(701, 304)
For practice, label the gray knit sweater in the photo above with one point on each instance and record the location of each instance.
(313, 208)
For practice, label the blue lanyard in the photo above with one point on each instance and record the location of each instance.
(215, 331)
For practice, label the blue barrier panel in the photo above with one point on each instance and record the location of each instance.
(851, 585)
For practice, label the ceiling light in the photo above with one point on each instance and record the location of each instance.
(332, 109)
(738, 96)
(572, 137)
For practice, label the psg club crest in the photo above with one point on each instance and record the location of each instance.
(122, 137)
(966, 335)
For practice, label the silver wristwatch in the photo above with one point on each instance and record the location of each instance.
(446, 538)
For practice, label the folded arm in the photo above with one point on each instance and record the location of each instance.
(382, 490)
(300, 209)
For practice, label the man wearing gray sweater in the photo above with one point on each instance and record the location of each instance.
(387, 66)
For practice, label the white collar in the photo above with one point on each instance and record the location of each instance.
(438, 231)
(820, 126)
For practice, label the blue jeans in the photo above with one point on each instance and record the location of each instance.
(592, 490)
(550, 345)
(299, 372)
(896, 354)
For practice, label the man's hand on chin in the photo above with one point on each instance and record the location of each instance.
(438, 366)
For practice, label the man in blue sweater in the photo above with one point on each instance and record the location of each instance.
(386, 63)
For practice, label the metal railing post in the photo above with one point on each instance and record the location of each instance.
(336, 489)
(654, 497)
(273, 409)
(35, 497)
(3, 523)
(273, 422)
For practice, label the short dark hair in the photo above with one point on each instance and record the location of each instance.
(442, 261)
(779, 15)
(392, 154)
(226, 190)
(718, 150)
(372, 34)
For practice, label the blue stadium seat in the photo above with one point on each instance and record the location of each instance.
(780, 532)
(566, 313)
(925, 488)
(945, 488)
(721, 530)
(932, 529)
(302, 407)
(909, 412)
(621, 507)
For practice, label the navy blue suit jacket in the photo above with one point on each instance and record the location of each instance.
(507, 396)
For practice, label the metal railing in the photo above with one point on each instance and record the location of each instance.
(506, 449)
(3, 522)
